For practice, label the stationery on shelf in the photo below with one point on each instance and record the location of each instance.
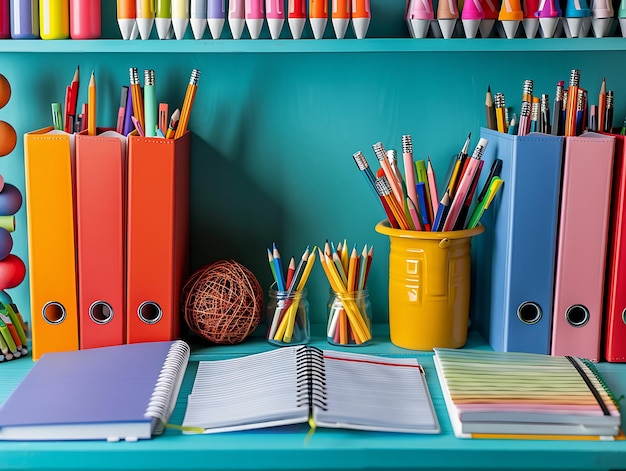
(216, 17)
(615, 295)
(582, 243)
(300, 384)
(515, 259)
(50, 211)
(123, 392)
(100, 238)
(526, 396)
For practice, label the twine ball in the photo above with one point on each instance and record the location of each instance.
(222, 302)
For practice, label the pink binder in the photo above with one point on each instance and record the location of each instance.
(100, 229)
(581, 252)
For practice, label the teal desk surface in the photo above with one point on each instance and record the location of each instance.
(285, 448)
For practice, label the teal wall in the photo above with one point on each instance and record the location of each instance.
(273, 134)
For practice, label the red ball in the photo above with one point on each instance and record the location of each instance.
(12, 272)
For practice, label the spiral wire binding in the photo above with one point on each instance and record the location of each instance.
(168, 384)
(592, 367)
(311, 378)
(590, 385)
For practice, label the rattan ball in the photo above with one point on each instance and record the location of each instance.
(222, 302)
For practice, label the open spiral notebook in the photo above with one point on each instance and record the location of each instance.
(300, 384)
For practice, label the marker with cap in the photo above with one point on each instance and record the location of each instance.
(255, 16)
(340, 15)
(318, 17)
(361, 17)
(216, 17)
(163, 18)
(296, 17)
(275, 14)
(236, 17)
(198, 15)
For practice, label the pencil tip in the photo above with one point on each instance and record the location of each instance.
(489, 88)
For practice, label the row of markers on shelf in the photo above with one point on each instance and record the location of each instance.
(347, 272)
(537, 17)
(172, 19)
(412, 201)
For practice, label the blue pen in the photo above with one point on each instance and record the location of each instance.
(442, 211)
(198, 16)
(421, 196)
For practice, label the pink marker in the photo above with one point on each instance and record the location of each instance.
(471, 15)
(296, 17)
(236, 17)
(255, 15)
(549, 15)
(491, 9)
(419, 15)
(530, 21)
(275, 14)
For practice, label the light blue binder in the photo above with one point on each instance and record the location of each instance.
(514, 259)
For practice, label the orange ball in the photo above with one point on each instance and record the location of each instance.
(8, 138)
(5, 91)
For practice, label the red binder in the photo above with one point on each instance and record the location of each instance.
(100, 223)
(157, 236)
(615, 292)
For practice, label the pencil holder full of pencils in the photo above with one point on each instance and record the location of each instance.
(429, 286)
(288, 317)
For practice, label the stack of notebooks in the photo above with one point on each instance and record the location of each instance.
(525, 395)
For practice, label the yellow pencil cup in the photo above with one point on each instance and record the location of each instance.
(429, 286)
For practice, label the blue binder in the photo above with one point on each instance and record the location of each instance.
(514, 259)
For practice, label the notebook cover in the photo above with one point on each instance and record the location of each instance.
(108, 385)
(49, 172)
(615, 294)
(513, 260)
(100, 207)
(581, 255)
(157, 236)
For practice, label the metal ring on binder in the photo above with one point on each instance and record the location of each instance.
(577, 315)
(149, 312)
(101, 312)
(53, 312)
(529, 312)
(624, 316)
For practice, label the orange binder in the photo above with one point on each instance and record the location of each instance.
(157, 236)
(581, 253)
(48, 167)
(100, 228)
(615, 294)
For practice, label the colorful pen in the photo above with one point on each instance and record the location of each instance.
(530, 22)
(126, 18)
(494, 185)
(621, 16)
(549, 14)
(216, 17)
(145, 17)
(490, 7)
(255, 14)
(447, 15)
(471, 16)
(23, 19)
(198, 16)
(296, 17)
(180, 17)
(163, 18)
(121, 112)
(236, 17)
(419, 15)
(340, 16)
(275, 14)
(576, 11)
(361, 17)
(318, 17)
(510, 17)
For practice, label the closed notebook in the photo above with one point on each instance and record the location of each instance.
(107, 393)
(301, 384)
(525, 395)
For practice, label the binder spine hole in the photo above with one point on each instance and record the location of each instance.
(53, 312)
(149, 312)
(101, 312)
(624, 316)
(529, 312)
(577, 315)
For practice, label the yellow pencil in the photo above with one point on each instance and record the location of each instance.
(187, 103)
(91, 106)
(300, 287)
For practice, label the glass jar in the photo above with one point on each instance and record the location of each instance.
(349, 318)
(288, 318)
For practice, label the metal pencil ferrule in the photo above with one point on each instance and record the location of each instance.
(380, 152)
(134, 76)
(148, 77)
(195, 76)
(407, 144)
(360, 161)
(383, 187)
(574, 78)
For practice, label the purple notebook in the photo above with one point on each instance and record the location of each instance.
(111, 393)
